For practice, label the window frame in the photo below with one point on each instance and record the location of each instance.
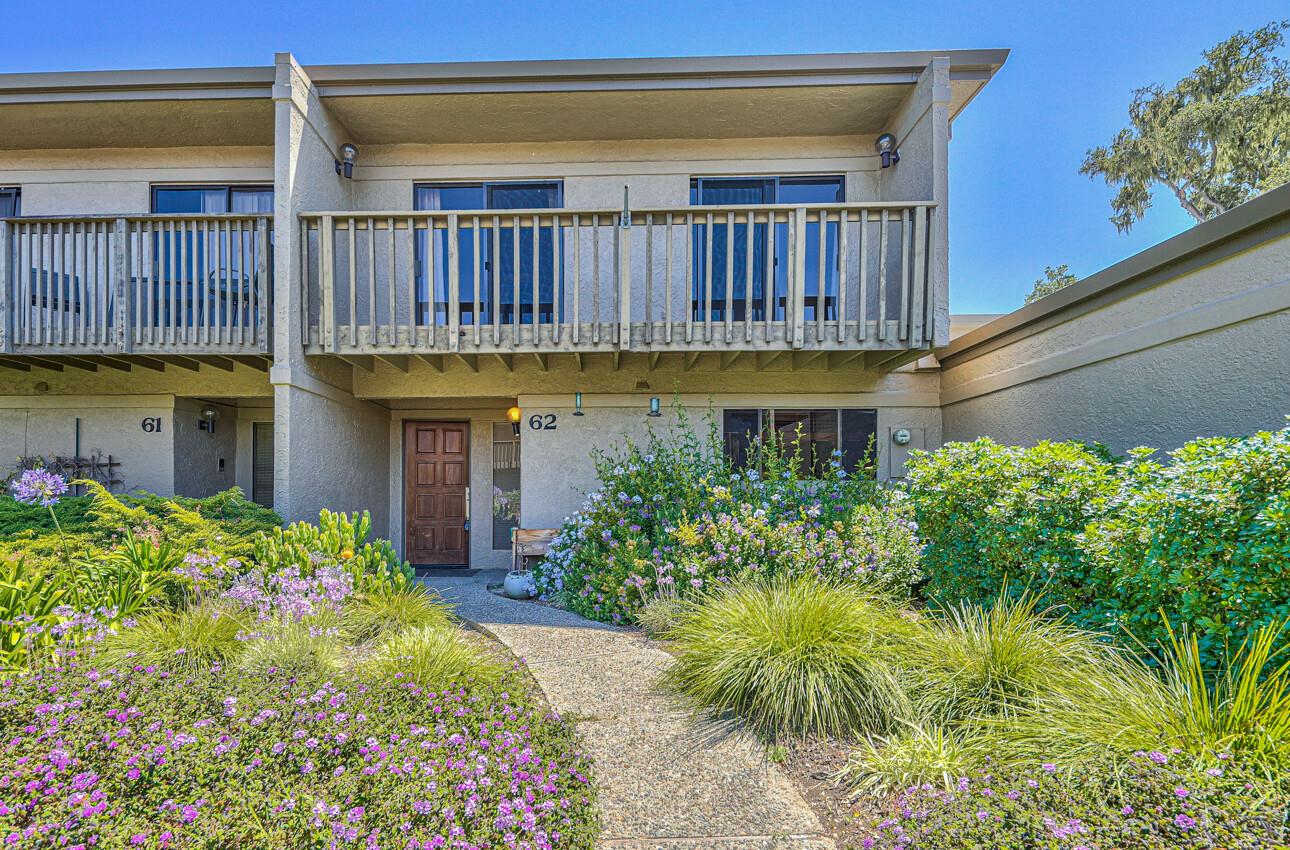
(228, 189)
(766, 418)
(485, 186)
(14, 192)
(775, 180)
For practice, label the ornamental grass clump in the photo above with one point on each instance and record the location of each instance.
(791, 658)
(972, 661)
(197, 638)
(432, 657)
(1122, 706)
(916, 754)
(307, 647)
(385, 609)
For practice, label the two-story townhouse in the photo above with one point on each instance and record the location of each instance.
(431, 290)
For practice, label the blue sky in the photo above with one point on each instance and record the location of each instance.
(1017, 201)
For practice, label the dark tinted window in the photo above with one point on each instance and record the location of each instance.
(187, 200)
(817, 433)
(10, 202)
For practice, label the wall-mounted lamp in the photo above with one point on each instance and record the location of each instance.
(513, 414)
(207, 423)
(654, 407)
(345, 165)
(577, 404)
(886, 147)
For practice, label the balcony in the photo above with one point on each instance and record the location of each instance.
(145, 290)
(850, 279)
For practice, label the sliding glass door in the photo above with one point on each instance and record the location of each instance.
(727, 240)
(516, 275)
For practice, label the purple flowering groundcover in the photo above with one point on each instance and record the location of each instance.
(145, 758)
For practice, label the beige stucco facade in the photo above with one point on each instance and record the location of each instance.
(1190, 338)
(1185, 339)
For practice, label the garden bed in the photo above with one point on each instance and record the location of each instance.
(304, 692)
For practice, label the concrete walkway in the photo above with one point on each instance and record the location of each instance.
(663, 783)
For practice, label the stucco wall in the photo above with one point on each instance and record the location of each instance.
(118, 180)
(46, 425)
(198, 453)
(657, 172)
(1200, 352)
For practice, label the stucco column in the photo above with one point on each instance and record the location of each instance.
(330, 449)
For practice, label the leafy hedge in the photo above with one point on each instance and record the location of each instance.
(1203, 538)
(675, 517)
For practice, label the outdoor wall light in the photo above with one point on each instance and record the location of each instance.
(886, 147)
(345, 165)
(577, 404)
(513, 414)
(654, 407)
(209, 414)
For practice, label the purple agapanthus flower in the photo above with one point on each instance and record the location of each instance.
(39, 487)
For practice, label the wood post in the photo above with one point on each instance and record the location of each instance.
(6, 289)
(121, 284)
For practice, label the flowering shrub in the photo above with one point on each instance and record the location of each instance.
(1155, 805)
(144, 758)
(1205, 538)
(675, 516)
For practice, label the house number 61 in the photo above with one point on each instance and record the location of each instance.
(151, 424)
(542, 422)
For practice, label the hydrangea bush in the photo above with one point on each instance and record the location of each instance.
(1203, 538)
(675, 516)
(1156, 804)
(144, 758)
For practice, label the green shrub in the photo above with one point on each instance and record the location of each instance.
(183, 641)
(384, 609)
(792, 658)
(656, 502)
(433, 657)
(16, 517)
(661, 614)
(1203, 539)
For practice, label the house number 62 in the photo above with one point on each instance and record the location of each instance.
(542, 422)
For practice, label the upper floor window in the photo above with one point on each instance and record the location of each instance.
(183, 200)
(814, 434)
(510, 287)
(797, 189)
(10, 202)
(762, 286)
(489, 196)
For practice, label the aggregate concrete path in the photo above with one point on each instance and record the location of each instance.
(664, 784)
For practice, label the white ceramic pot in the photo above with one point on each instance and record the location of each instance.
(519, 584)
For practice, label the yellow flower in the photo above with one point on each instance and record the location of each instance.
(346, 554)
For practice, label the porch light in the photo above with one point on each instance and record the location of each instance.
(577, 403)
(345, 165)
(886, 147)
(654, 407)
(209, 414)
(513, 414)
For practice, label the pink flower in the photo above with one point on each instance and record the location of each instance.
(1184, 822)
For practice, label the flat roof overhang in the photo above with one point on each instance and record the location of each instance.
(148, 109)
(713, 97)
(835, 94)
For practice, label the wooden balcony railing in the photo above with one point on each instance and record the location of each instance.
(832, 276)
(185, 285)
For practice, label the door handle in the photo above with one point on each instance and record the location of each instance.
(466, 523)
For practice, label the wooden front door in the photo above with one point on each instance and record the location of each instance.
(436, 475)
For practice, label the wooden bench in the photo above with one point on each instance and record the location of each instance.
(530, 543)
